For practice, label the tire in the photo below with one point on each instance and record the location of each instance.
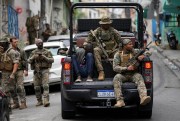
(67, 109)
(172, 44)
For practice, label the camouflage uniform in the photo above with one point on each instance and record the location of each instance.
(124, 76)
(110, 38)
(41, 73)
(7, 61)
(119, 66)
(47, 33)
(19, 78)
(31, 24)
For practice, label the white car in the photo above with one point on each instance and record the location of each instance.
(62, 38)
(55, 71)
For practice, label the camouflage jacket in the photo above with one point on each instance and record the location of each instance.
(40, 62)
(120, 58)
(111, 38)
(23, 64)
(8, 59)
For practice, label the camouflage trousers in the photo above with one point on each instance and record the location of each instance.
(31, 37)
(19, 87)
(8, 86)
(98, 54)
(136, 78)
(41, 78)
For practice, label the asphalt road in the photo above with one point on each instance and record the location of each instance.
(166, 105)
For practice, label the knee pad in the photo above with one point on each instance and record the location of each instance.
(37, 89)
(20, 89)
(46, 87)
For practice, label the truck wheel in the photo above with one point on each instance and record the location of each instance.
(67, 109)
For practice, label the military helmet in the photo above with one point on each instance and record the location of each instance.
(5, 38)
(126, 41)
(105, 20)
(4, 42)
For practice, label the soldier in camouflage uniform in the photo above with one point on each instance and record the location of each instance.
(41, 60)
(47, 33)
(32, 26)
(110, 39)
(128, 73)
(9, 62)
(19, 78)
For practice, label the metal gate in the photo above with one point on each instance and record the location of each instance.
(12, 22)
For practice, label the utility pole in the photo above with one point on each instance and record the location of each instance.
(42, 16)
(1, 18)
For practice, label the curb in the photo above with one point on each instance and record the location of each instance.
(174, 66)
(174, 61)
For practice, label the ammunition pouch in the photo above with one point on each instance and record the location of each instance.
(45, 65)
(109, 45)
(6, 64)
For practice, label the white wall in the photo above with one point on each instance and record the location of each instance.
(34, 6)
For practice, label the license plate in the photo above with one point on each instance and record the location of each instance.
(105, 93)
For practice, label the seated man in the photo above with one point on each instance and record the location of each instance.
(109, 38)
(83, 61)
(128, 72)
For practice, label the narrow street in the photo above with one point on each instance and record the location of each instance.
(166, 101)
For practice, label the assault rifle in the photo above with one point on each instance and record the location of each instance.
(134, 59)
(100, 44)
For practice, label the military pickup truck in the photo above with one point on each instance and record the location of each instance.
(100, 94)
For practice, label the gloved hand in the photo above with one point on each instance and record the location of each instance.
(43, 57)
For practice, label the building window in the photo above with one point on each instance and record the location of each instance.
(172, 20)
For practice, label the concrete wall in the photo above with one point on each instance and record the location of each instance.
(24, 6)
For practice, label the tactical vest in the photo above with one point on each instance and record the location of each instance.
(39, 63)
(125, 58)
(108, 38)
(6, 63)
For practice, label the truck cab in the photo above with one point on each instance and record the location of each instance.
(100, 94)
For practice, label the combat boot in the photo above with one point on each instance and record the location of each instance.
(145, 100)
(119, 104)
(39, 103)
(101, 75)
(46, 102)
(23, 105)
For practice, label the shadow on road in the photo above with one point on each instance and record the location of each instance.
(52, 88)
